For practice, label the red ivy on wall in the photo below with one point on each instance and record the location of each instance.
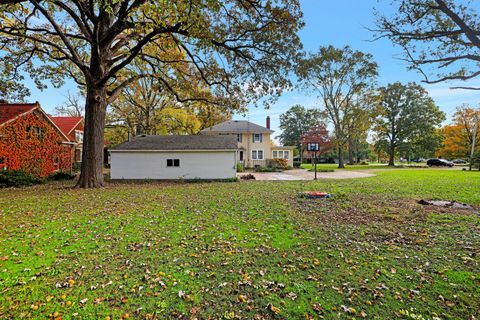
(30, 143)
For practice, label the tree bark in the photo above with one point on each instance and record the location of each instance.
(91, 175)
(391, 160)
(350, 152)
(341, 164)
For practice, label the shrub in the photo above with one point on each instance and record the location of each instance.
(297, 164)
(265, 169)
(363, 163)
(240, 167)
(278, 163)
(18, 178)
(76, 166)
(60, 175)
(247, 177)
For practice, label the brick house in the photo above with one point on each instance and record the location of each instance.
(31, 141)
(73, 128)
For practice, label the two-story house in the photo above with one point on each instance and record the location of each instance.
(255, 145)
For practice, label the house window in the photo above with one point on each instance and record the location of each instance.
(79, 136)
(34, 132)
(281, 154)
(239, 137)
(257, 137)
(173, 162)
(257, 154)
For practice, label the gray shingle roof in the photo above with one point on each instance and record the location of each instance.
(193, 142)
(237, 126)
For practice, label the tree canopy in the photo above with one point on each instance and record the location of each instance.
(242, 50)
(406, 117)
(458, 136)
(341, 77)
(295, 122)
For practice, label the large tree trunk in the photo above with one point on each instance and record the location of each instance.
(91, 175)
(351, 161)
(391, 160)
(341, 164)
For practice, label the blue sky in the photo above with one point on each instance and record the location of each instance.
(338, 22)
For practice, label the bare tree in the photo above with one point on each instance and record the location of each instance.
(72, 107)
(440, 38)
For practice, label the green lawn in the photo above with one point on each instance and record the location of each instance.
(246, 250)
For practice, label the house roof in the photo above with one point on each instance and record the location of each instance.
(66, 124)
(191, 142)
(237, 126)
(11, 111)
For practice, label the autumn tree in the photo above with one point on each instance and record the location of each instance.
(406, 117)
(147, 107)
(242, 50)
(340, 78)
(358, 122)
(440, 38)
(317, 134)
(458, 136)
(295, 122)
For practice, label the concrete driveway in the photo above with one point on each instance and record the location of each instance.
(301, 174)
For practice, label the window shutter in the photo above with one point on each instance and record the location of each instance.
(261, 137)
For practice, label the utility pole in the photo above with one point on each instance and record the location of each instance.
(475, 129)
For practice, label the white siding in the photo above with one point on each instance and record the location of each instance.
(153, 165)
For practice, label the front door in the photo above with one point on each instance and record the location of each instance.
(240, 156)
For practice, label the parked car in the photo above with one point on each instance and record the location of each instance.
(459, 161)
(439, 163)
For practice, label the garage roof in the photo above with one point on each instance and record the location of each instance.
(191, 142)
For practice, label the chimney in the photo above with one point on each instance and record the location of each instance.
(268, 122)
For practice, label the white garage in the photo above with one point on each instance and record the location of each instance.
(175, 157)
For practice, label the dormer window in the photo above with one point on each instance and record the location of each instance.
(257, 137)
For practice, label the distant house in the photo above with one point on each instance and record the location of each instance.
(255, 145)
(174, 157)
(72, 127)
(31, 141)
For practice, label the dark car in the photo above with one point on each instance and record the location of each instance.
(439, 163)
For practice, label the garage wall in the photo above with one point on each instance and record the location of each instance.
(153, 165)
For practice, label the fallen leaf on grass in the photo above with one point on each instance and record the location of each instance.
(274, 309)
